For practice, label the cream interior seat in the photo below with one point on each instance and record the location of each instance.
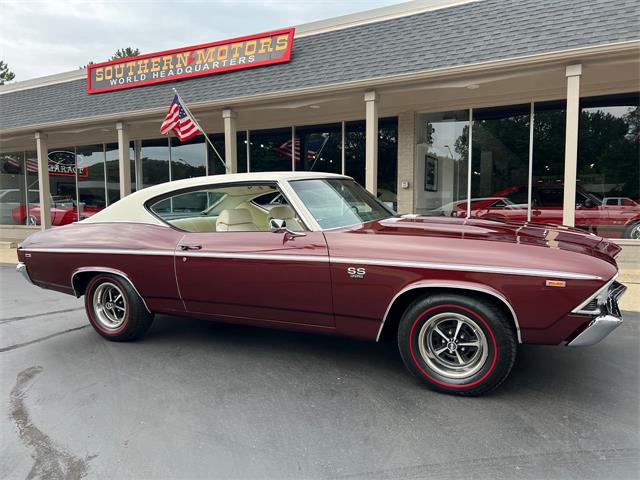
(195, 224)
(236, 220)
(286, 213)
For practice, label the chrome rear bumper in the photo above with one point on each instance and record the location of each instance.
(607, 321)
(22, 269)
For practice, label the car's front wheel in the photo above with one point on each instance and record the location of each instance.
(457, 344)
(115, 309)
(634, 231)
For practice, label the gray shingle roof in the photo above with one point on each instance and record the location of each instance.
(454, 36)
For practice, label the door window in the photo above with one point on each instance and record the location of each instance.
(230, 208)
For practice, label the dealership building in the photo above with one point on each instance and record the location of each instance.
(505, 109)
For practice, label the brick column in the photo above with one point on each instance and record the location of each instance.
(406, 162)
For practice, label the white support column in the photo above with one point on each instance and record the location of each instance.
(230, 141)
(571, 144)
(371, 142)
(124, 160)
(43, 180)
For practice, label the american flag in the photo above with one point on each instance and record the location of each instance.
(178, 121)
(284, 150)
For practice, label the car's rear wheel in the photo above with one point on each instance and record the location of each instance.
(457, 344)
(115, 309)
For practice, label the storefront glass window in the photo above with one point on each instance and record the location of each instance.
(12, 189)
(91, 180)
(33, 184)
(442, 163)
(319, 148)
(113, 171)
(500, 163)
(354, 150)
(242, 152)
(547, 189)
(270, 150)
(62, 182)
(215, 165)
(188, 159)
(388, 161)
(608, 181)
(154, 155)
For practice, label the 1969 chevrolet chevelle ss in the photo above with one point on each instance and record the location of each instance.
(316, 252)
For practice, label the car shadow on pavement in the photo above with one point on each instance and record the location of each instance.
(543, 369)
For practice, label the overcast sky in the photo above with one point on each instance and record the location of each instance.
(41, 38)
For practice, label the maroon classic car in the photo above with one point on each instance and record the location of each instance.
(317, 253)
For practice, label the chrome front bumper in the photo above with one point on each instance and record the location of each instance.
(22, 269)
(609, 317)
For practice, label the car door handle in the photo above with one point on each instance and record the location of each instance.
(190, 247)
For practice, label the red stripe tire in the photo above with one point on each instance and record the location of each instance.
(115, 309)
(457, 344)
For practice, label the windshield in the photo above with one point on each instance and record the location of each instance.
(339, 202)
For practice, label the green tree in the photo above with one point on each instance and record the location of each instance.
(125, 53)
(6, 75)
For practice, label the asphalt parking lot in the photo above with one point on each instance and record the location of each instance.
(196, 399)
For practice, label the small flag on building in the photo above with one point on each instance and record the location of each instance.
(179, 121)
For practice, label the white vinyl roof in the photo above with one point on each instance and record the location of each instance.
(131, 208)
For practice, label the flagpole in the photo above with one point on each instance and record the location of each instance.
(184, 105)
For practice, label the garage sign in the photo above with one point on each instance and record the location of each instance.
(207, 59)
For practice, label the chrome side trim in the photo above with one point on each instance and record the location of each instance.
(256, 256)
(600, 294)
(113, 271)
(341, 260)
(116, 251)
(458, 287)
(21, 268)
(597, 330)
(468, 268)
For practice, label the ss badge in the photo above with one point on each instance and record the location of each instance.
(356, 272)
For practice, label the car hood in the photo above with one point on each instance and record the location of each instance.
(533, 234)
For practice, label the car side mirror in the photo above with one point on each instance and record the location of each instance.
(279, 225)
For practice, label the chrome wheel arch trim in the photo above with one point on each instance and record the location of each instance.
(455, 286)
(112, 271)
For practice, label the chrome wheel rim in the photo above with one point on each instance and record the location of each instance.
(109, 306)
(453, 345)
(31, 220)
(635, 232)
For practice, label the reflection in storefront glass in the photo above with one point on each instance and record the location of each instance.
(62, 184)
(271, 150)
(154, 155)
(547, 189)
(215, 165)
(91, 180)
(319, 148)
(355, 156)
(188, 159)
(12, 189)
(608, 181)
(113, 171)
(500, 163)
(441, 163)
